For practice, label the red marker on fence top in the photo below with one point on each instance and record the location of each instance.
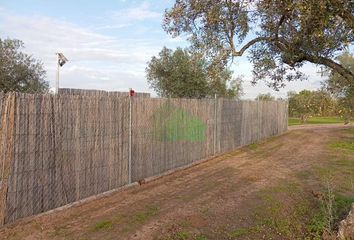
(131, 92)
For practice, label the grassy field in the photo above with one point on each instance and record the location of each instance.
(316, 120)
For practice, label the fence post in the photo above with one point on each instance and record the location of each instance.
(215, 122)
(7, 130)
(259, 123)
(130, 141)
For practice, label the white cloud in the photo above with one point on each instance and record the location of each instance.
(138, 13)
(114, 63)
(110, 26)
(95, 60)
(91, 78)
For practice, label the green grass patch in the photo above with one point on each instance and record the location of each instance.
(335, 177)
(239, 232)
(343, 145)
(339, 167)
(145, 215)
(140, 217)
(288, 210)
(103, 225)
(178, 235)
(200, 237)
(181, 235)
(293, 121)
(324, 120)
(285, 210)
(338, 172)
(316, 226)
(319, 222)
(315, 120)
(253, 146)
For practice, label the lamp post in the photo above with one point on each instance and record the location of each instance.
(60, 62)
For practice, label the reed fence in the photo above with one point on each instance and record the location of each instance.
(58, 149)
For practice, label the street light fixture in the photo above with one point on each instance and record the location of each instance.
(60, 62)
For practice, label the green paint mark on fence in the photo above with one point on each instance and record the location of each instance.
(172, 123)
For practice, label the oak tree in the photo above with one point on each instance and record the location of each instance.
(281, 34)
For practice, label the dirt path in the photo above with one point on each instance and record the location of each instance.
(209, 199)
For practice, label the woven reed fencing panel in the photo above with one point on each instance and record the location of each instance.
(7, 123)
(66, 148)
(58, 149)
(170, 133)
(229, 125)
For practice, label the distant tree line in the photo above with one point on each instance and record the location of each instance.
(312, 103)
(335, 98)
(320, 103)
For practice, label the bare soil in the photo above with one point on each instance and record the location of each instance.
(224, 198)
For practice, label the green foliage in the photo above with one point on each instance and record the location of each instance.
(343, 88)
(316, 226)
(20, 71)
(288, 33)
(265, 97)
(183, 74)
(307, 103)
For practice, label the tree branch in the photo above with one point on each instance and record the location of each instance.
(283, 45)
(346, 73)
(249, 44)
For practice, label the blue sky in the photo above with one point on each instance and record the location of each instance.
(108, 43)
